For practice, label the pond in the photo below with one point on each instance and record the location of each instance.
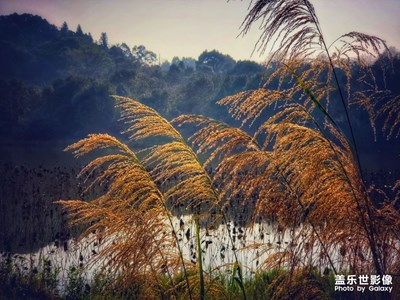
(34, 228)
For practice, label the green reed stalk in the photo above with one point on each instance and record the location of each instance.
(237, 265)
(200, 258)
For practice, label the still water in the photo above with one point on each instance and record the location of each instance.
(34, 228)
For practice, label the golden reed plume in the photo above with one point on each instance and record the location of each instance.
(306, 69)
(172, 164)
(128, 218)
(131, 216)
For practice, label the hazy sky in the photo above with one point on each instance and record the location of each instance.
(188, 27)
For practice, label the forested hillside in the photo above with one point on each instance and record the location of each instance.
(55, 84)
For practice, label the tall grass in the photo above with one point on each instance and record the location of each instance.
(135, 205)
(296, 166)
(295, 26)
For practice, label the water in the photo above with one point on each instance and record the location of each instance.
(34, 228)
(218, 249)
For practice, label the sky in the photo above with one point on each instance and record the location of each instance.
(185, 28)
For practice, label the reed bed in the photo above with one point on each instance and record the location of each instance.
(289, 163)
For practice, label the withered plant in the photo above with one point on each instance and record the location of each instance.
(133, 218)
(308, 151)
(299, 166)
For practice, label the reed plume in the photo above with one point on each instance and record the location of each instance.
(172, 164)
(300, 180)
(308, 168)
(128, 218)
(132, 215)
(307, 72)
(176, 168)
(292, 32)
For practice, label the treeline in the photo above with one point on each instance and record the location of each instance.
(55, 83)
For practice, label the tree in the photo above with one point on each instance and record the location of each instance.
(126, 50)
(185, 64)
(247, 67)
(104, 40)
(215, 61)
(189, 62)
(142, 55)
(79, 31)
(90, 62)
(89, 37)
(64, 28)
(165, 65)
(173, 74)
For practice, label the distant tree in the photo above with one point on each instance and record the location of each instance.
(126, 50)
(186, 62)
(189, 62)
(215, 60)
(157, 100)
(64, 28)
(174, 73)
(247, 67)
(196, 94)
(104, 40)
(141, 54)
(165, 65)
(90, 62)
(79, 31)
(18, 103)
(178, 63)
(175, 60)
(89, 37)
(75, 106)
(122, 57)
